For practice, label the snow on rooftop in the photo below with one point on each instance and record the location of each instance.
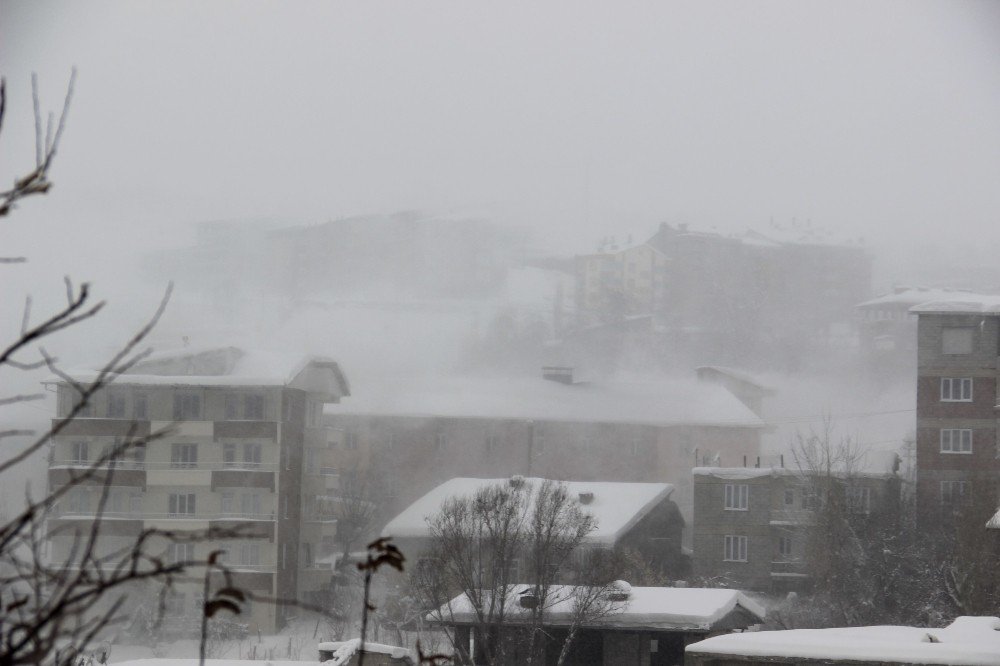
(657, 608)
(916, 295)
(968, 641)
(961, 304)
(615, 506)
(344, 650)
(213, 366)
(677, 402)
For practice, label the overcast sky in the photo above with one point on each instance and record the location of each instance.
(874, 119)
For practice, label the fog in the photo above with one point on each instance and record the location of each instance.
(404, 186)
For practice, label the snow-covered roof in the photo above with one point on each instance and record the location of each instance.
(968, 641)
(994, 522)
(733, 373)
(960, 304)
(667, 402)
(873, 464)
(911, 296)
(615, 506)
(230, 366)
(655, 608)
(344, 650)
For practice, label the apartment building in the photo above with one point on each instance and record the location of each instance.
(958, 346)
(407, 435)
(244, 448)
(751, 525)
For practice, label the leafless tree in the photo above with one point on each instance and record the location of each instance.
(503, 543)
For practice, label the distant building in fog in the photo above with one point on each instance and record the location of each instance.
(411, 434)
(244, 451)
(779, 295)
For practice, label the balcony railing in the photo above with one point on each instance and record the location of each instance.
(90, 514)
(172, 466)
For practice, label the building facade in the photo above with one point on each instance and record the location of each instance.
(240, 448)
(751, 525)
(958, 347)
(404, 437)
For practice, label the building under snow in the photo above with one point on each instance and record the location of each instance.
(751, 525)
(409, 435)
(244, 433)
(640, 516)
(968, 641)
(645, 626)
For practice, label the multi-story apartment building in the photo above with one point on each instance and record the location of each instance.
(243, 448)
(751, 524)
(958, 348)
(408, 435)
(718, 297)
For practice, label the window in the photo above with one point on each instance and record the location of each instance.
(539, 441)
(811, 500)
(116, 405)
(327, 546)
(140, 406)
(284, 554)
(187, 407)
(227, 502)
(311, 461)
(284, 506)
(954, 492)
(250, 504)
(956, 341)
(251, 453)
(180, 552)
(491, 442)
(79, 501)
(737, 496)
(183, 456)
(736, 549)
(79, 451)
(390, 441)
(440, 441)
(859, 499)
(250, 554)
(85, 409)
(228, 455)
(307, 554)
(956, 440)
(135, 503)
(789, 497)
(636, 446)
(232, 407)
(956, 389)
(352, 440)
(253, 407)
(181, 504)
(785, 548)
(139, 453)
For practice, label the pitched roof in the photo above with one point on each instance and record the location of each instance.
(615, 506)
(655, 608)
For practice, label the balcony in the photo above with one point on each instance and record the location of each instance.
(178, 466)
(85, 426)
(91, 514)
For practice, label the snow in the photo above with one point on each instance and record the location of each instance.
(616, 506)
(961, 304)
(661, 402)
(968, 641)
(211, 662)
(994, 522)
(220, 366)
(913, 296)
(653, 608)
(344, 650)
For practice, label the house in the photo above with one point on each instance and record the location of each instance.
(408, 435)
(641, 516)
(751, 525)
(645, 626)
(968, 641)
(241, 451)
(957, 373)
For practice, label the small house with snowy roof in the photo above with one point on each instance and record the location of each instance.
(640, 516)
(625, 625)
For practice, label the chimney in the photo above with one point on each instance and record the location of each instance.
(558, 373)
